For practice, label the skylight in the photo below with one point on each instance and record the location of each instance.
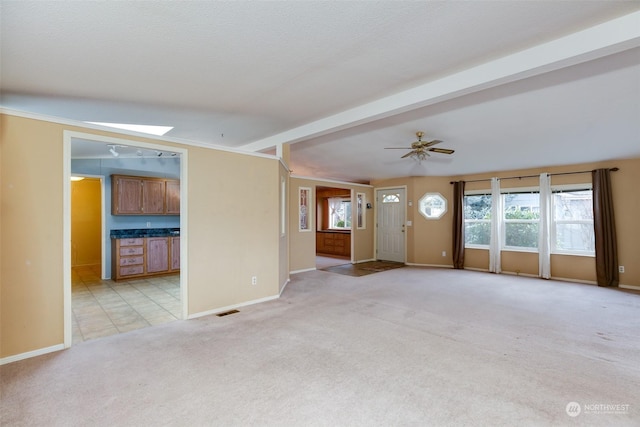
(150, 129)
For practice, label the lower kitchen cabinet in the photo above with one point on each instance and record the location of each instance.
(157, 254)
(175, 254)
(144, 256)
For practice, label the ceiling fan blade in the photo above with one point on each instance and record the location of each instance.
(398, 148)
(441, 150)
(408, 154)
(430, 143)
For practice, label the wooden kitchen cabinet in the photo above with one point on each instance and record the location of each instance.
(144, 256)
(126, 195)
(333, 243)
(127, 258)
(175, 253)
(157, 255)
(172, 194)
(135, 195)
(153, 195)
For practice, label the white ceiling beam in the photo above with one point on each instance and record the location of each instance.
(601, 40)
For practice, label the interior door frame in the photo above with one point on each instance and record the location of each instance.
(375, 215)
(67, 137)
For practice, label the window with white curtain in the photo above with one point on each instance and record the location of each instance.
(521, 218)
(571, 230)
(340, 213)
(477, 220)
(572, 226)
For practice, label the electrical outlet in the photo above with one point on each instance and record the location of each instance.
(254, 280)
(621, 269)
(148, 224)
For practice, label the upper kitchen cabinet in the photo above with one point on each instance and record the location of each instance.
(135, 195)
(172, 203)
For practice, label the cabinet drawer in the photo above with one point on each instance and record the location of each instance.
(131, 242)
(130, 270)
(132, 260)
(132, 250)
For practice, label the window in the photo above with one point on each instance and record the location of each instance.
(360, 212)
(432, 205)
(304, 209)
(340, 214)
(573, 222)
(391, 198)
(521, 216)
(477, 220)
(571, 229)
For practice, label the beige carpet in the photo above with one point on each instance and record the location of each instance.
(404, 347)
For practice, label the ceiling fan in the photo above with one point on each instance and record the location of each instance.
(420, 149)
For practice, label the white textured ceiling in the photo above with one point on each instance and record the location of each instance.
(254, 74)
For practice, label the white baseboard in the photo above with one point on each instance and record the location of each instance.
(363, 260)
(632, 287)
(302, 271)
(231, 307)
(29, 354)
(284, 286)
(483, 270)
(564, 279)
(413, 264)
(515, 273)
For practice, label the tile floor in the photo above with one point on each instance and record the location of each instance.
(104, 307)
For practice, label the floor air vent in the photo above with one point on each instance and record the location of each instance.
(226, 313)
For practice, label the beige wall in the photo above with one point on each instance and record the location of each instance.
(427, 239)
(303, 243)
(86, 222)
(232, 231)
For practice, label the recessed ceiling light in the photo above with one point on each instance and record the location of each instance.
(150, 129)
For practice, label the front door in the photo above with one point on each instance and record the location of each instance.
(390, 224)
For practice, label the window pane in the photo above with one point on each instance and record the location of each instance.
(573, 205)
(521, 234)
(391, 198)
(575, 237)
(477, 207)
(477, 233)
(522, 206)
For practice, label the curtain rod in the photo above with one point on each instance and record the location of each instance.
(535, 176)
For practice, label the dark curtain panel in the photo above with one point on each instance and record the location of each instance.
(605, 229)
(458, 224)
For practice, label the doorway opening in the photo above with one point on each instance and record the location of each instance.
(334, 215)
(95, 304)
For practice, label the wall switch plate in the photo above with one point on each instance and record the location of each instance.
(621, 269)
(444, 253)
(409, 223)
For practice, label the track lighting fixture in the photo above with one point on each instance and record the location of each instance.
(112, 150)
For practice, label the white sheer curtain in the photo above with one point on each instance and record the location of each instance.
(544, 233)
(334, 204)
(496, 227)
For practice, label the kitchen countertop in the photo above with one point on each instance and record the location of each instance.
(144, 232)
